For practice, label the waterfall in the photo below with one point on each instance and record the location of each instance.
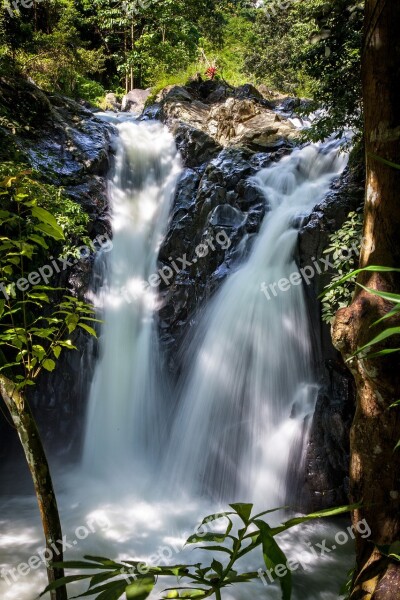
(249, 384)
(247, 390)
(127, 399)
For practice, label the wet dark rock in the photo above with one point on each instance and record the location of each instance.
(226, 216)
(327, 460)
(70, 147)
(215, 208)
(238, 117)
(195, 146)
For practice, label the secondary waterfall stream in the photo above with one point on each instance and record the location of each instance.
(249, 384)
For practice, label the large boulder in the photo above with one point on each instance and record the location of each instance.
(231, 117)
(135, 100)
(112, 102)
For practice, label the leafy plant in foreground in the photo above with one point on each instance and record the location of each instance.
(110, 580)
(36, 324)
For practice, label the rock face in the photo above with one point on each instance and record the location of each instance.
(216, 194)
(232, 118)
(325, 482)
(112, 102)
(69, 147)
(217, 211)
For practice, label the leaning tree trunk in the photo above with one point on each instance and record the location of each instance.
(375, 467)
(35, 455)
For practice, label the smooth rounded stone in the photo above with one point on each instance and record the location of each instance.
(112, 102)
(135, 100)
(227, 216)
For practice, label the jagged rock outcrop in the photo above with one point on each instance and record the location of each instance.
(231, 117)
(216, 200)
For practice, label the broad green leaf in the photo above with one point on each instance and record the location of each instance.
(217, 567)
(243, 510)
(2, 307)
(57, 351)
(372, 268)
(215, 517)
(99, 578)
(140, 589)
(323, 514)
(67, 344)
(112, 590)
(267, 512)
(39, 240)
(194, 593)
(49, 364)
(39, 296)
(106, 562)
(380, 338)
(381, 353)
(63, 581)
(45, 217)
(39, 351)
(79, 564)
(72, 321)
(216, 549)
(88, 329)
(385, 295)
(389, 163)
(50, 231)
(274, 557)
(207, 537)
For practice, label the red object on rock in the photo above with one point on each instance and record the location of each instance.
(211, 72)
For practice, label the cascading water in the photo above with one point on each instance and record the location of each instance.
(250, 384)
(125, 415)
(243, 400)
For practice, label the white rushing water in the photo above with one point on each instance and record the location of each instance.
(249, 385)
(244, 397)
(126, 410)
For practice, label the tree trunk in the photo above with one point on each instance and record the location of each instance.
(36, 458)
(132, 48)
(375, 467)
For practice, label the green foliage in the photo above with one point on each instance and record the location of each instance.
(313, 48)
(394, 312)
(31, 343)
(342, 248)
(46, 45)
(69, 215)
(111, 579)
